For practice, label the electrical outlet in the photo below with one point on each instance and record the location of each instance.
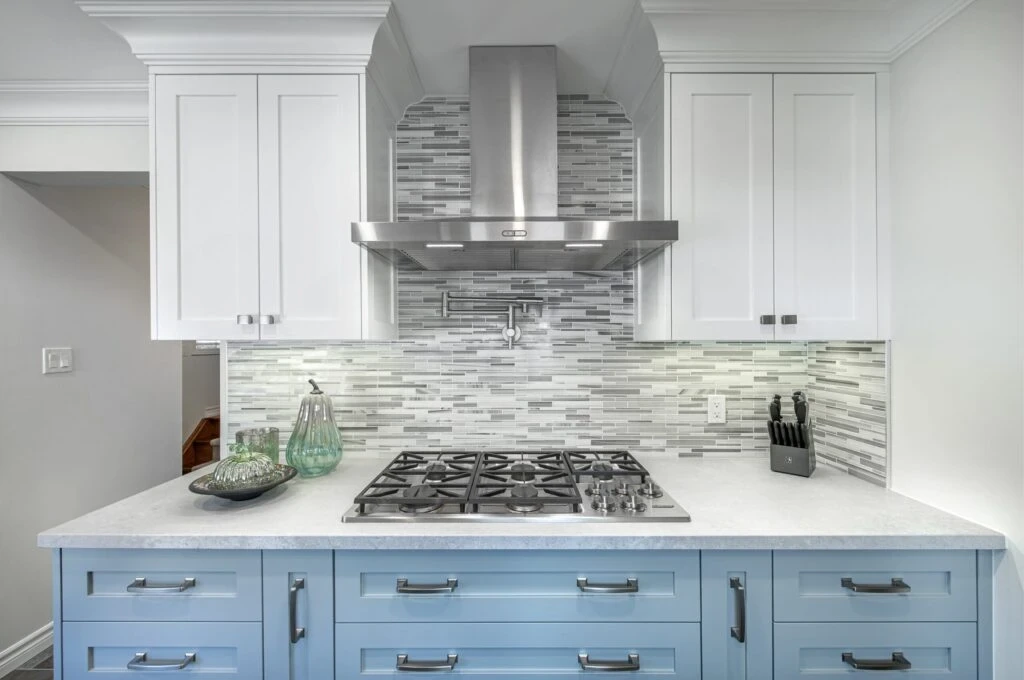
(58, 360)
(716, 408)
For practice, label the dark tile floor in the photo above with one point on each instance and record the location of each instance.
(39, 667)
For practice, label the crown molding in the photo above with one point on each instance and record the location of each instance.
(636, 65)
(871, 33)
(58, 102)
(392, 69)
(196, 34)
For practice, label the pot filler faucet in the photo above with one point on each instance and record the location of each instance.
(506, 305)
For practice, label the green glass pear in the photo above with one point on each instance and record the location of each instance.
(314, 448)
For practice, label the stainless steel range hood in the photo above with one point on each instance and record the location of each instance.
(514, 154)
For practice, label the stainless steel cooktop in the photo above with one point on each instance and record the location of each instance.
(514, 486)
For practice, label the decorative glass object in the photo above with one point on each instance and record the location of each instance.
(314, 448)
(262, 440)
(242, 468)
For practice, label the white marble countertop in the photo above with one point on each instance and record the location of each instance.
(736, 503)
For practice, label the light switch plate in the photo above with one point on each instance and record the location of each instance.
(58, 360)
(716, 409)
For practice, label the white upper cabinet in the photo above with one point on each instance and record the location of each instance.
(772, 179)
(721, 182)
(205, 241)
(825, 217)
(257, 181)
(309, 195)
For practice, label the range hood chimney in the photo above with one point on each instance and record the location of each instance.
(514, 154)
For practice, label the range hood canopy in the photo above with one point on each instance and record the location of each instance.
(514, 155)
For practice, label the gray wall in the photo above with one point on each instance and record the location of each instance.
(956, 305)
(72, 443)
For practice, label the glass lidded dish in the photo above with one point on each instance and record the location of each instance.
(243, 468)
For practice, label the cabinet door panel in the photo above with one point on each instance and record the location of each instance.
(721, 145)
(736, 602)
(205, 232)
(825, 215)
(310, 278)
(311, 574)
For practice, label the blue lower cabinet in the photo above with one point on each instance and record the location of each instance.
(159, 650)
(736, 615)
(924, 651)
(517, 586)
(495, 651)
(298, 614)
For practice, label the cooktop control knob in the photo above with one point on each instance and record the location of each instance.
(603, 503)
(599, 488)
(650, 490)
(623, 488)
(633, 503)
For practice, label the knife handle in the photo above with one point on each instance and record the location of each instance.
(771, 433)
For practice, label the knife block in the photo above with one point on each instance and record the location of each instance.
(792, 460)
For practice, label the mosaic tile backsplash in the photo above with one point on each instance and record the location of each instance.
(576, 378)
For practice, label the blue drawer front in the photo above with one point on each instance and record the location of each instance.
(809, 586)
(935, 651)
(227, 585)
(222, 650)
(517, 586)
(495, 651)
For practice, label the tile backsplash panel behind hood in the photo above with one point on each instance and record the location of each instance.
(576, 378)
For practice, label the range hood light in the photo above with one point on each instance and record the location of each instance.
(584, 245)
(451, 246)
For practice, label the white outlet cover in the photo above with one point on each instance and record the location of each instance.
(58, 360)
(716, 409)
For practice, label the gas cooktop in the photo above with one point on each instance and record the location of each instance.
(513, 486)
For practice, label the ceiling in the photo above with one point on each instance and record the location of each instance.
(55, 40)
(588, 34)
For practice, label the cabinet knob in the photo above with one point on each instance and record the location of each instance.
(789, 319)
(244, 319)
(767, 319)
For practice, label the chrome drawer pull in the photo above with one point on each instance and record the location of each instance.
(296, 632)
(139, 585)
(403, 586)
(139, 663)
(632, 586)
(403, 664)
(739, 631)
(898, 663)
(632, 664)
(897, 586)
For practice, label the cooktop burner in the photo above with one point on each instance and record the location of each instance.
(514, 486)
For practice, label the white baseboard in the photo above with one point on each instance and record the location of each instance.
(17, 654)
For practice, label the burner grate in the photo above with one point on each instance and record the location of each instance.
(605, 464)
(521, 480)
(449, 474)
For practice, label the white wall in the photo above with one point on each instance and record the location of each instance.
(957, 227)
(72, 443)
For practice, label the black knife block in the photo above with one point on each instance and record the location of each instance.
(792, 460)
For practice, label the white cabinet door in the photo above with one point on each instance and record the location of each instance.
(310, 277)
(721, 184)
(205, 233)
(825, 217)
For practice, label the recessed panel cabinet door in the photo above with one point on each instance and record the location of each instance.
(736, 614)
(825, 215)
(310, 278)
(721, 145)
(205, 235)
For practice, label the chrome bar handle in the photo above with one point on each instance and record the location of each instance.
(403, 664)
(139, 585)
(897, 585)
(632, 663)
(632, 586)
(789, 319)
(739, 631)
(139, 663)
(244, 320)
(403, 586)
(767, 319)
(268, 320)
(897, 663)
(294, 630)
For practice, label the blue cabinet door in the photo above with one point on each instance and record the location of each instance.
(736, 615)
(298, 593)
